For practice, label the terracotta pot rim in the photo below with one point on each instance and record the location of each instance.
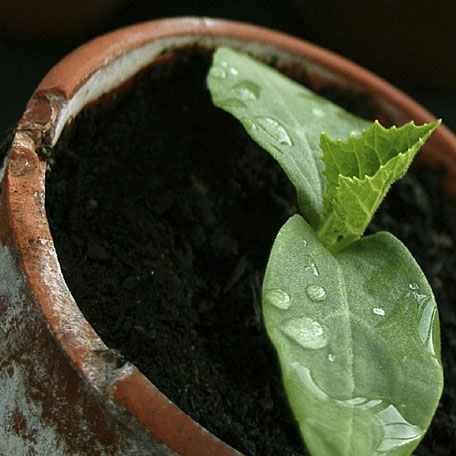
(70, 74)
(23, 186)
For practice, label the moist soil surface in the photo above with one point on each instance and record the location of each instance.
(163, 213)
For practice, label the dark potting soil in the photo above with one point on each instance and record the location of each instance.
(163, 213)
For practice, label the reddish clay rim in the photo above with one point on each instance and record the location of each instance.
(66, 78)
(24, 192)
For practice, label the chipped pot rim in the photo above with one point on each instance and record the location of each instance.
(81, 78)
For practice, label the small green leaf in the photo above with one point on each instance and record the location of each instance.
(359, 173)
(284, 118)
(357, 337)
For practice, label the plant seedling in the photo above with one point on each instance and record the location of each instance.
(353, 319)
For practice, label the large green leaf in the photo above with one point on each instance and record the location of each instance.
(357, 337)
(284, 118)
(359, 173)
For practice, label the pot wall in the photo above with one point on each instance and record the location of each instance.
(48, 406)
(63, 390)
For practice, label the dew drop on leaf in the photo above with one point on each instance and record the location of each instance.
(278, 298)
(426, 325)
(331, 357)
(247, 90)
(318, 112)
(306, 332)
(378, 311)
(217, 72)
(421, 299)
(249, 124)
(316, 293)
(274, 129)
(229, 68)
(309, 265)
(305, 377)
(397, 430)
(232, 103)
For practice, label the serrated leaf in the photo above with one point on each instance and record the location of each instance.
(357, 337)
(284, 118)
(359, 173)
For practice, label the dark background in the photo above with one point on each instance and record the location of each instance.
(410, 43)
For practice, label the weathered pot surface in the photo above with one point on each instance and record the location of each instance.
(62, 390)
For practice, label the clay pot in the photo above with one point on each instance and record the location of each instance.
(62, 389)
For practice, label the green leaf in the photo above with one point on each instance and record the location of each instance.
(284, 118)
(357, 337)
(359, 173)
(354, 321)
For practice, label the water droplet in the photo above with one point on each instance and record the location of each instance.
(249, 124)
(274, 129)
(305, 377)
(304, 242)
(378, 311)
(331, 357)
(247, 90)
(318, 112)
(225, 67)
(232, 103)
(305, 332)
(421, 299)
(217, 72)
(278, 298)
(426, 325)
(309, 265)
(316, 292)
(361, 403)
(397, 430)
